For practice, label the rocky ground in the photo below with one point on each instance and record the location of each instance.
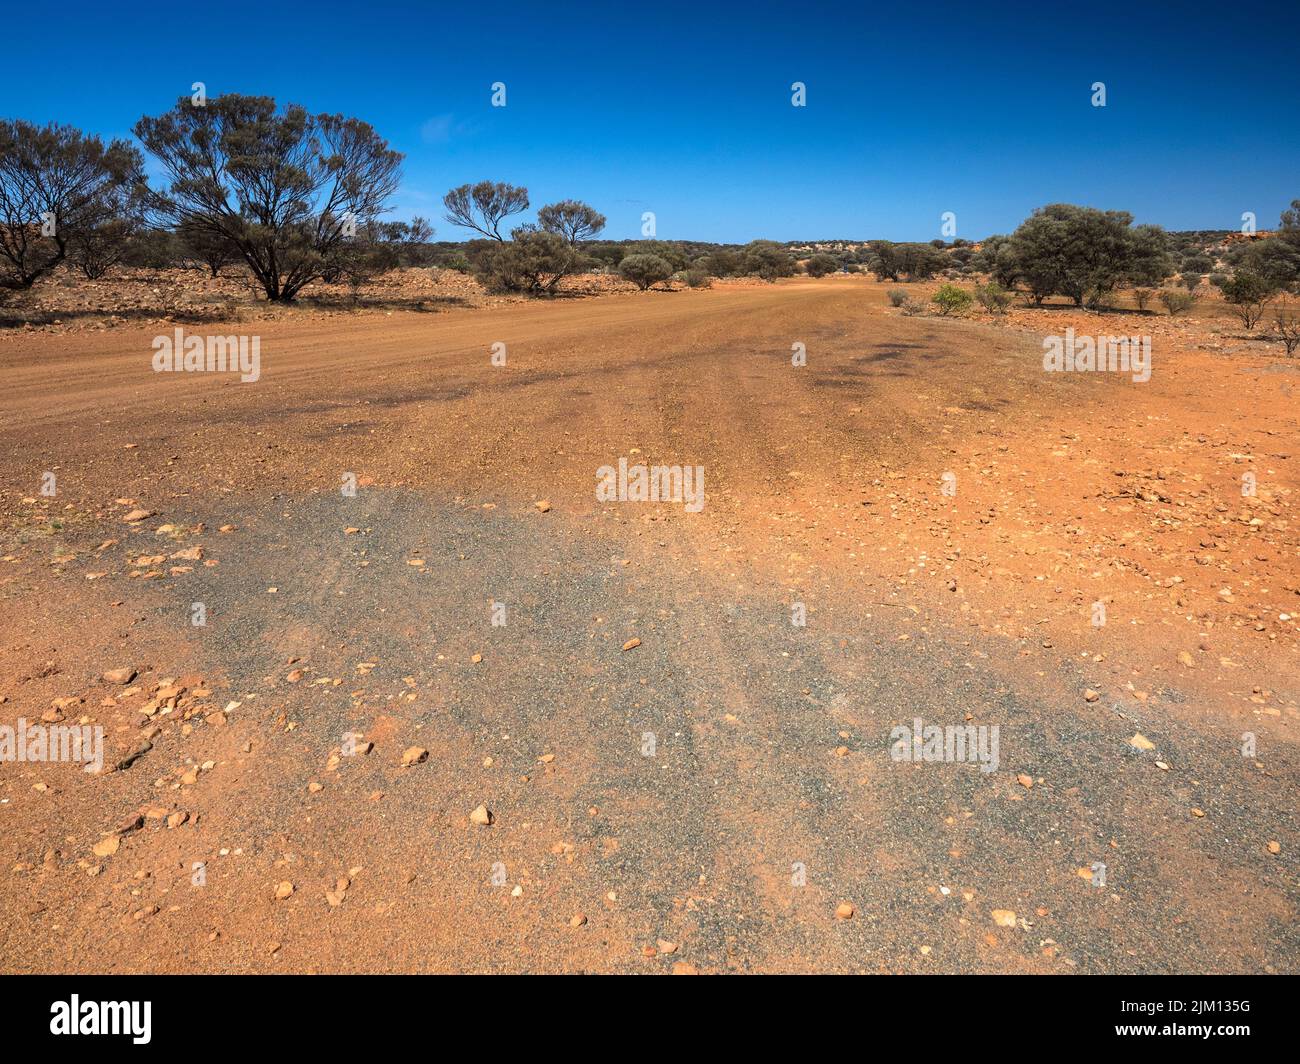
(127, 297)
(647, 766)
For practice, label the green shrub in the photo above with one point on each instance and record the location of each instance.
(1176, 302)
(1247, 293)
(1084, 253)
(533, 262)
(768, 260)
(645, 270)
(455, 261)
(897, 297)
(993, 297)
(696, 278)
(820, 265)
(949, 298)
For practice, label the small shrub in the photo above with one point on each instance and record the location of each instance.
(1176, 302)
(949, 299)
(1286, 327)
(1142, 296)
(645, 270)
(698, 279)
(456, 261)
(912, 308)
(993, 297)
(897, 297)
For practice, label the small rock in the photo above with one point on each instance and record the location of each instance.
(481, 816)
(631, 644)
(414, 755)
(844, 911)
(106, 847)
(283, 890)
(119, 676)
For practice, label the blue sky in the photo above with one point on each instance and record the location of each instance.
(682, 109)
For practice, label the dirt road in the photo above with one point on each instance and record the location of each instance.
(710, 797)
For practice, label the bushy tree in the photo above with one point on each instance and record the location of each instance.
(1247, 293)
(100, 248)
(1085, 254)
(209, 249)
(724, 262)
(920, 261)
(645, 270)
(154, 249)
(533, 262)
(821, 265)
(670, 251)
(571, 219)
(883, 260)
(288, 189)
(768, 260)
(997, 258)
(61, 193)
(1176, 302)
(1276, 258)
(484, 206)
(378, 247)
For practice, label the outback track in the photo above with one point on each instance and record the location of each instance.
(771, 741)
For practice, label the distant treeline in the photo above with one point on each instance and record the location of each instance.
(289, 198)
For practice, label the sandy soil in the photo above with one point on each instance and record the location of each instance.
(768, 827)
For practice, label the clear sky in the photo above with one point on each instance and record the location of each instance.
(684, 109)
